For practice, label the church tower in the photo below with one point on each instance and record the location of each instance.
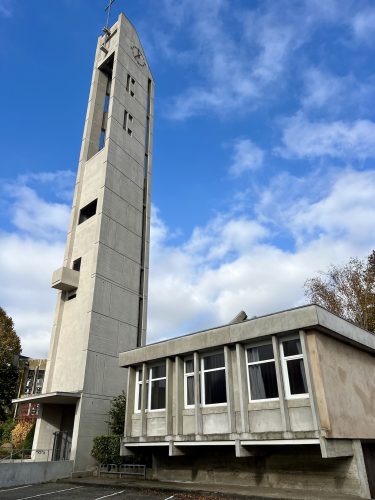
(102, 286)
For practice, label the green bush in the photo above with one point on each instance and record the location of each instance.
(28, 443)
(6, 430)
(106, 450)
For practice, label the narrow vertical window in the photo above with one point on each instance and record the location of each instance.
(213, 379)
(294, 369)
(130, 85)
(189, 382)
(105, 114)
(157, 387)
(262, 373)
(138, 390)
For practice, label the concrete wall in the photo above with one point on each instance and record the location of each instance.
(18, 474)
(300, 468)
(344, 384)
(238, 416)
(108, 314)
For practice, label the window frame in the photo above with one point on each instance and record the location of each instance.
(202, 372)
(186, 375)
(284, 367)
(249, 363)
(149, 380)
(138, 383)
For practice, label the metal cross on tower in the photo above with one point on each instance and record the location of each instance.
(108, 10)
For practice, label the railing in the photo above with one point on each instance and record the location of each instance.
(38, 455)
(123, 469)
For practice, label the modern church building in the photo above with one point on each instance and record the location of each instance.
(102, 286)
(285, 400)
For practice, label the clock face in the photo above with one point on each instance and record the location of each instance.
(138, 56)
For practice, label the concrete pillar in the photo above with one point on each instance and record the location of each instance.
(174, 451)
(280, 386)
(306, 358)
(242, 388)
(179, 393)
(169, 398)
(361, 468)
(130, 396)
(144, 396)
(229, 388)
(197, 398)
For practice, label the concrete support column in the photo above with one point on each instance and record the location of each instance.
(169, 398)
(306, 358)
(280, 385)
(242, 388)
(130, 396)
(229, 388)
(197, 398)
(361, 468)
(179, 393)
(173, 451)
(144, 396)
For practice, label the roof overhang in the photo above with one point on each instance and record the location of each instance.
(310, 317)
(51, 398)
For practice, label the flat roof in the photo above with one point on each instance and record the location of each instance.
(58, 398)
(283, 322)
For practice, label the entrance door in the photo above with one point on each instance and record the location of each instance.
(61, 445)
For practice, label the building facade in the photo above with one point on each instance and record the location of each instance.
(102, 286)
(282, 400)
(30, 382)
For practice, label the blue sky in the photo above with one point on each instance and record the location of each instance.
(264, 146)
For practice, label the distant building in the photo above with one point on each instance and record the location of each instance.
(285, 400)
(30, 381)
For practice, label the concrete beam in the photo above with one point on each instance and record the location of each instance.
(241, 451)
(174, 451)
(333, 448)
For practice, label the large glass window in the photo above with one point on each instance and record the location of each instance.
(157, 387)
(213, 379)
(262, 373)
(294, 369)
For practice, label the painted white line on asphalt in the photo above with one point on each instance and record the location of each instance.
(18, 488)
(169, 498)
(50, 493)
(112, 495)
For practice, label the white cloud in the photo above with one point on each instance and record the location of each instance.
(346, 140)
(239, 263)
(336, 95)
(235, 262)
(364, 25)
(26, 266)
(242, 67)
(6, 8)
(246, 156)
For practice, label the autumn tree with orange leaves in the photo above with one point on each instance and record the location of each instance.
(347, 290)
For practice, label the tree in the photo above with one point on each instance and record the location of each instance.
(117, 414)
(347, 290)
(10, 348)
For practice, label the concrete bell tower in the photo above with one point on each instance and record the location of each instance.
(102, 299)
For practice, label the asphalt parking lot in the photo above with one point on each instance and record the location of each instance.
(69, 491)
(66, 491)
